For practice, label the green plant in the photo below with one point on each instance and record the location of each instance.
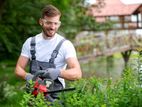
(94, 92)
(29, 100)
(6, 91)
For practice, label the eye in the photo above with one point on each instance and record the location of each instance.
(56, 23)
(48, 23)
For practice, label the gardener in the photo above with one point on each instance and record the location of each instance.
(48, 50)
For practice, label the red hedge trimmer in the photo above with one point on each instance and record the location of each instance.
(44, 85)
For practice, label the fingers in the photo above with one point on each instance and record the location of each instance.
(46, 74)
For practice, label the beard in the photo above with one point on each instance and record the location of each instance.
(49, 32)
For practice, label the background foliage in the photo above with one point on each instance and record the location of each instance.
(94, 92)
(19, 20)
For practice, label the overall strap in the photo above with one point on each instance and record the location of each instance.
(32, 50)
(55, 51)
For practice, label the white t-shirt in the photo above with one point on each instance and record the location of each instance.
(44, 49)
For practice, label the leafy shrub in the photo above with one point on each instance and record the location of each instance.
(6, 91)
(31, 101)
(104, 93)
(94, 92)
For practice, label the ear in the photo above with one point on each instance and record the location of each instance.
(40, 22)
(59, 24)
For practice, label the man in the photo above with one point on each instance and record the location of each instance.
(45, 43)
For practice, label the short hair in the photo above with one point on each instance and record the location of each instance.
(50, 11)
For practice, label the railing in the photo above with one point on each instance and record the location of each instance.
(91, 45)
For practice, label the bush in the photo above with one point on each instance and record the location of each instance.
(101, 93)
(6, 92)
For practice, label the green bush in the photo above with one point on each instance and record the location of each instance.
(104, 93)
(6, 91)
(95, 92)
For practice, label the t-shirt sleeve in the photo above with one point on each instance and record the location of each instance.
(26, 48)
(69, 49)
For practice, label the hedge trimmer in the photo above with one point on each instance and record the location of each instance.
(44, 85)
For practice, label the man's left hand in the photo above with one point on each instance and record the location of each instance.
(51, 73)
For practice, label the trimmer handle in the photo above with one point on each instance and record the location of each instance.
(38, 74)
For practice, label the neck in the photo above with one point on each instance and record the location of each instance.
(47, 37)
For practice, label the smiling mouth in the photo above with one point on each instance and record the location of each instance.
(51, 31)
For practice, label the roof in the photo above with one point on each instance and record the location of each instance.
(115, 8)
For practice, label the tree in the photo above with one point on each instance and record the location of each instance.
(18, 20)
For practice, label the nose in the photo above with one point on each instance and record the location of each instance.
(53, 25)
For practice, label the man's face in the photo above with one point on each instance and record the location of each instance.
(50, 25)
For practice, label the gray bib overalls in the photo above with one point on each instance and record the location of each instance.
(36, 65)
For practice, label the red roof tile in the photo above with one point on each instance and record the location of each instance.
(115, 8)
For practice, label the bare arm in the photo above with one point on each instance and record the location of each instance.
(73, 72)
(20, 67)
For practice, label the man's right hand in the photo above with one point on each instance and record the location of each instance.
(38, 74)
(29, 77)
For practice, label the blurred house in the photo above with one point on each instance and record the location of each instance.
(123, 16)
